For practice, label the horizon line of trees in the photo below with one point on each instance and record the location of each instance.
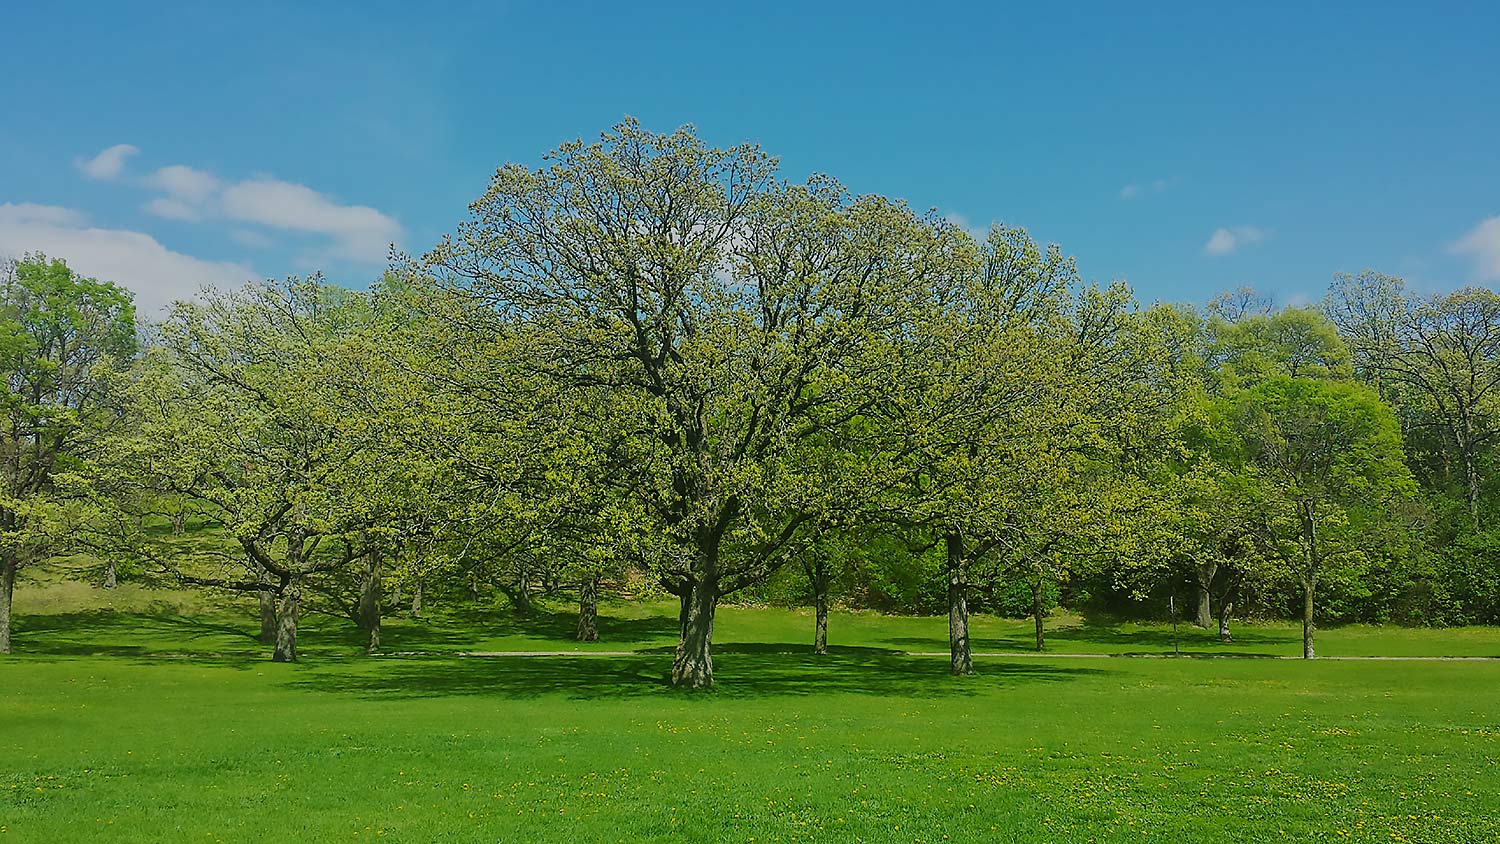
(658, 360)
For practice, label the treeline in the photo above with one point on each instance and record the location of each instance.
(655, 362)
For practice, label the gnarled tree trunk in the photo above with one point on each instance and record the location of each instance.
(1205, 577)
(960, 654)
(288, 609)
(693, 667)
(588, 610)
(111, 575)
(1226, 609)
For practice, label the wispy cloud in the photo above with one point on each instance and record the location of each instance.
(354, 232)
(184, 183)
(1139, 189)
(1226, 240)
(157, 275)
(1482, 246)
(107, 165)
(358, 232)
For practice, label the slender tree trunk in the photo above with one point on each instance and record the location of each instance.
(1037, 615)
(960, 654)
(1471, 470)
(1310, 576)
(287, 611)
(1307, 620)
(474, 585)
(416, 598)
(693, 667)
(369, 602)
(267, 598)
(1225, 610)
(8, 566)
(588, 610)
(820, 609)
(523, 593)
(111, 575)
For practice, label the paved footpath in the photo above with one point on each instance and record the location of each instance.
(1005, 654)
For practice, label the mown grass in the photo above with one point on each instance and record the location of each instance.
(159, 719)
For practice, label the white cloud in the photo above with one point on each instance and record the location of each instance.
(107, 165)
(184, 183)
(157, 275)
(359, 233)
(1226, 240)
(1482, 246)
(250, 238)
(356, 232)
(29, 212)
(173, 209)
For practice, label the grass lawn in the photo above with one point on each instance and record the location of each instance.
(160, 720)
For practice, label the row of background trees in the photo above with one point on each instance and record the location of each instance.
(657, 362)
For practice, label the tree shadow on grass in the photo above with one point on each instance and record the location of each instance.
(739, 674)
(466, 627)
(105, 632)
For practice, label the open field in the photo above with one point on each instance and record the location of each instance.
(162, 720)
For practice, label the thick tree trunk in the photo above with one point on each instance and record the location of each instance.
(416, 598)
(820, 609)
(693, 667)
(960, 654)
(179, 524)
(111, 575)
(1307, 620)
(1205, 576)
(1037, 615)
(7, 596)
(369, 602)
(288, 608)
(588, 610)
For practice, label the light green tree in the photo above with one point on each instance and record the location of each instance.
(1323, 464)
(63, 339)
(723, 318)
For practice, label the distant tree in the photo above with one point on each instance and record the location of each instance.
(245, 412)
(63, 338)
(1324, 465)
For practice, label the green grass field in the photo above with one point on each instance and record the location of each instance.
(147, 716)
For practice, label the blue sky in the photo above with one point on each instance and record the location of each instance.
(1187, 148)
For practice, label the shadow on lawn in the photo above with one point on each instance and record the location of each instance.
(558, 626)
(741, 671)
(114, 633)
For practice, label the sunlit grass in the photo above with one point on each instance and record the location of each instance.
(159, 718)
